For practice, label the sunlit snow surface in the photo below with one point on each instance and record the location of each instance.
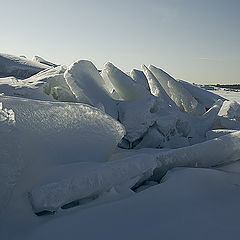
(108, 155)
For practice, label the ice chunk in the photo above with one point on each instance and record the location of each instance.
(124, 85)
(229, 115)
(65, 132)
(226, 149)
(43, 61)
(230, 109)
(88, 87)
(203, 96)
(157, 90)
(55, 194)
(181, 96)
(18, 67)
(140, 78)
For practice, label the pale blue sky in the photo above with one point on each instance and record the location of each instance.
(194, 40)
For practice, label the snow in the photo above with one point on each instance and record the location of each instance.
(115, 155)
(189, 204)
(18, 67)
(55, 194)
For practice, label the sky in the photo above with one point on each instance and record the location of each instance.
(194, 40)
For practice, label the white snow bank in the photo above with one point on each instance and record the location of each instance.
(65, 132)
(203, 96)
(55, 194)
(181, 96)
(88, 86)
(190, 204)
(18, 67)
(125, 86)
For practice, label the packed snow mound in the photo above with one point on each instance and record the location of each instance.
(47, 85)
(18, 67)
(88, 86)
(140, 78)
(180, 95)
(125, 86)
(204, 97)
(67, 131)
(54, 194)
(43, 61)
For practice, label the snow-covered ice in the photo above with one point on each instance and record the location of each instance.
(115, 155)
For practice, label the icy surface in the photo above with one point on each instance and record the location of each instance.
(18, 67)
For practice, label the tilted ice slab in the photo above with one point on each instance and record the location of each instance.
(88, 86)
(210, 153)
(125, 86)
(52, 195)
(204, 97)
(157, 90)
(43, 61)
(140, 78)
(47, 85)
(181, 96)
(18, 67)
(65, 132)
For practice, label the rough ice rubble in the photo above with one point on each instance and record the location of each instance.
(88, 86)
(48, 84)
(54, 194)
(184, 100)
(18, 67)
